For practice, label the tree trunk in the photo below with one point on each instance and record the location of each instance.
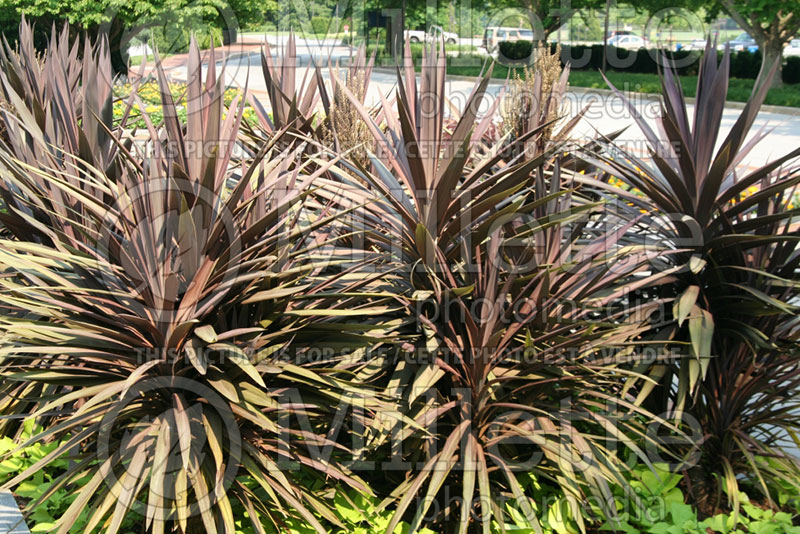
(229, 35)
(771, 51)
(117, 48)
(605, 36)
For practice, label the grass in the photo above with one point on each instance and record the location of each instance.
(298, 32)
(135, 61)
(738, 91)
(462, 50)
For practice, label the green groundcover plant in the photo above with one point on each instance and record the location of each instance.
(309, 314)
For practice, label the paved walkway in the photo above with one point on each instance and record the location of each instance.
(606, 112)
(11, 521)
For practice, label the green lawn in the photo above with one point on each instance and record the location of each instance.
(137, 60)
(738, 90)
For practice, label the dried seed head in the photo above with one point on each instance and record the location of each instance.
(535, 98)
(346, 128)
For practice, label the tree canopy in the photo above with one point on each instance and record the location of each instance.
(169, 22)
(543, 15)
(770, 23)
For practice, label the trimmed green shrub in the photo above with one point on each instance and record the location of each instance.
(325, 25)
(686, 62)
(791, 70)
(515, 50)
(745, 64)
(642, 61)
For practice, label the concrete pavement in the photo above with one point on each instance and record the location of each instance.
(606, 113)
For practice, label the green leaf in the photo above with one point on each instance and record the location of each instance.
(206, 333)
(685, 303)
(701, 330)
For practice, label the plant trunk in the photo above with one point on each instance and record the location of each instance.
(771, 51)
(118, 41)
(229, 35)
(702, 491)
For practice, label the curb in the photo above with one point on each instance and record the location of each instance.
(655, 97)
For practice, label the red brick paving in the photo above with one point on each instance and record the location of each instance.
(220, 53)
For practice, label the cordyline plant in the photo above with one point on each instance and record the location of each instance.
(66, 122)
(730, 236)
(44, 109)
(166, 298)
(533, 369)
(291, 107)
(147, 329)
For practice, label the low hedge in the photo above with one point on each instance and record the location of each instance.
(515, 50)
(325, 25)
(791, 71)
(743, 64)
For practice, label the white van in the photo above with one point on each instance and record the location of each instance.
(494, 35)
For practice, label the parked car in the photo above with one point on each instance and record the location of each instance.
(614, 33)
(494, 35)
(630, 42)
(792, 49)
(418, 36)
(743, 42)
(696, 44)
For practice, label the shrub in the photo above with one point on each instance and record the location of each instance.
(740, 246)
(745, 64)
(515, 50)
(685, 62)
(340, 312)
(325, 25)
(791, 70)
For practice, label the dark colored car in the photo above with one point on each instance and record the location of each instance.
(743, 42)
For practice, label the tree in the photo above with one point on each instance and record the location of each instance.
(546, 16)
(772, 24)
(125, 20)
